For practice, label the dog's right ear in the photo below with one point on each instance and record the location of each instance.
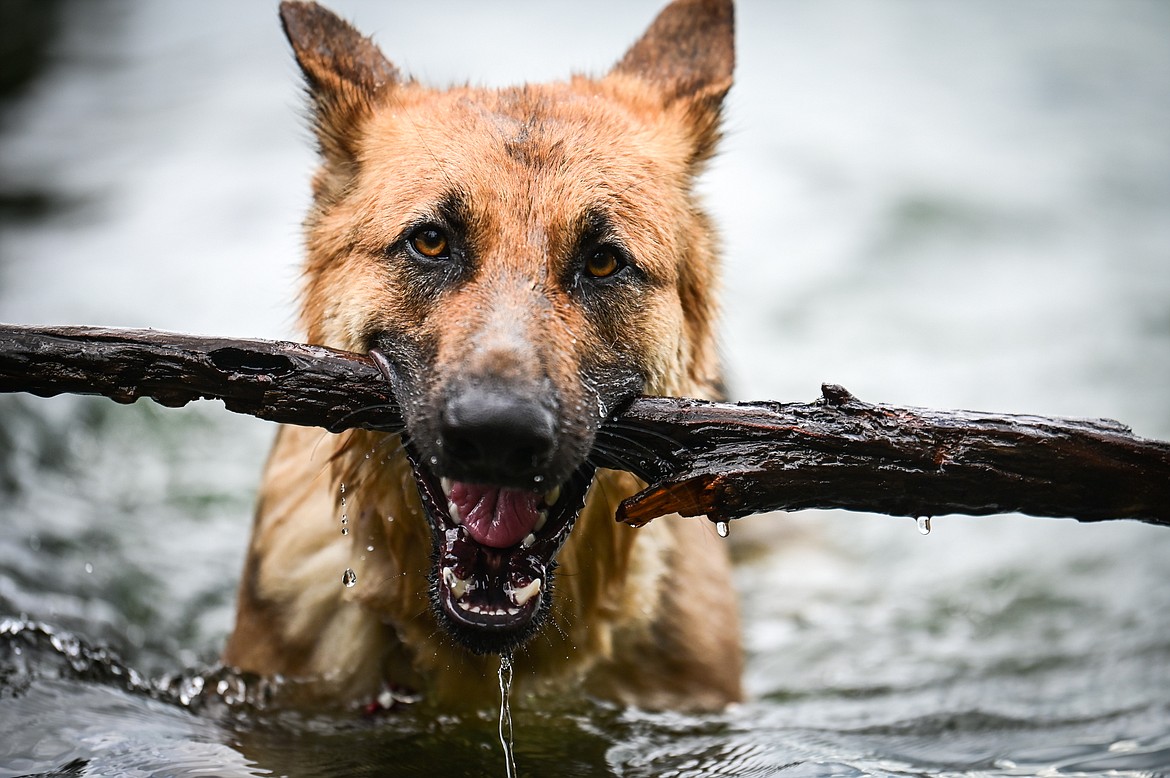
(688, 54)
(344, 70)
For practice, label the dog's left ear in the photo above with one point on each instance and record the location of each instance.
(688, 53)
(344, 70)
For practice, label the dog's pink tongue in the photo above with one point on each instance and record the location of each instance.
(493, 516)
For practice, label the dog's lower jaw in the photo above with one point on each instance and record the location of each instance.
(616, 627)
(569, 640)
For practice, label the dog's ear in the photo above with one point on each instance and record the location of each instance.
(688, 53)
(344, 70)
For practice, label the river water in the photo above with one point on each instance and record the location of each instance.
(954, 205)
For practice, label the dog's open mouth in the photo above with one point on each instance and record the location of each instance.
(495, 550)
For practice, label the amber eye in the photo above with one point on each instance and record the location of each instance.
(430, 242)
(603, 263)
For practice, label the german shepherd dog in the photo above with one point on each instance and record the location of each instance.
(523, 262)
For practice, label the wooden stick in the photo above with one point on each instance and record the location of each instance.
(289, 383)
(716, 459)
(729, 461)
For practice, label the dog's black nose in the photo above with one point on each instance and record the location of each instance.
(494, 435)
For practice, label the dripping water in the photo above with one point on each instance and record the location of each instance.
(506, 715)
(723, 528)
(924, 525)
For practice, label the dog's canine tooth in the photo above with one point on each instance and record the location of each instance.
(445, 484)
(541, 518)
(522, 595)
(529, 539)
(453, 511)
(457, 585)
(552, 495)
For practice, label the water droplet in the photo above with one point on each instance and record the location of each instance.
(345, 530)
(367, 455)
(345, 518)
(369, 548)
(88, 567)
(537, 479)
(924, 525)
(434, 460)
(723, 528)
(343, 488)
(349, 578)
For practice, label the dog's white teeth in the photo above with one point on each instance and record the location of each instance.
(522, 595)
(457, 585)
(552, 495)
(452, 509)
(486, 611)
(529, 539)
(541, 519)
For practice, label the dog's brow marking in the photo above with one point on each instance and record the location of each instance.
(641, 181)
(421, 139)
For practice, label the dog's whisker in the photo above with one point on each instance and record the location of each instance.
(391, 406)
(640, 430)
(603, 457)
(646, 450)
(642, 182)
(395, 441)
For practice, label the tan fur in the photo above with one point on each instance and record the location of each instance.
(643, 616)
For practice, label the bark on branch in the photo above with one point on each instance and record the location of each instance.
(715, 459)
(284, 382)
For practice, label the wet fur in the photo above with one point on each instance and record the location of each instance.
(645, 616)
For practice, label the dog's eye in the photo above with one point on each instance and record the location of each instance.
(430, 242)
(603, 263)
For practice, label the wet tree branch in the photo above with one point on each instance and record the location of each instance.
(715, 459)
(729, 461)
(291, 383)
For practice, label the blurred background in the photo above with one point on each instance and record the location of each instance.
(952, 205)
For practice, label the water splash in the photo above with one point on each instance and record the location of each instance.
(506, 715)
(723, 528)
(349, 578)
(924, 525)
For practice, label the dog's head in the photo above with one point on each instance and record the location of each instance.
(526, 260)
